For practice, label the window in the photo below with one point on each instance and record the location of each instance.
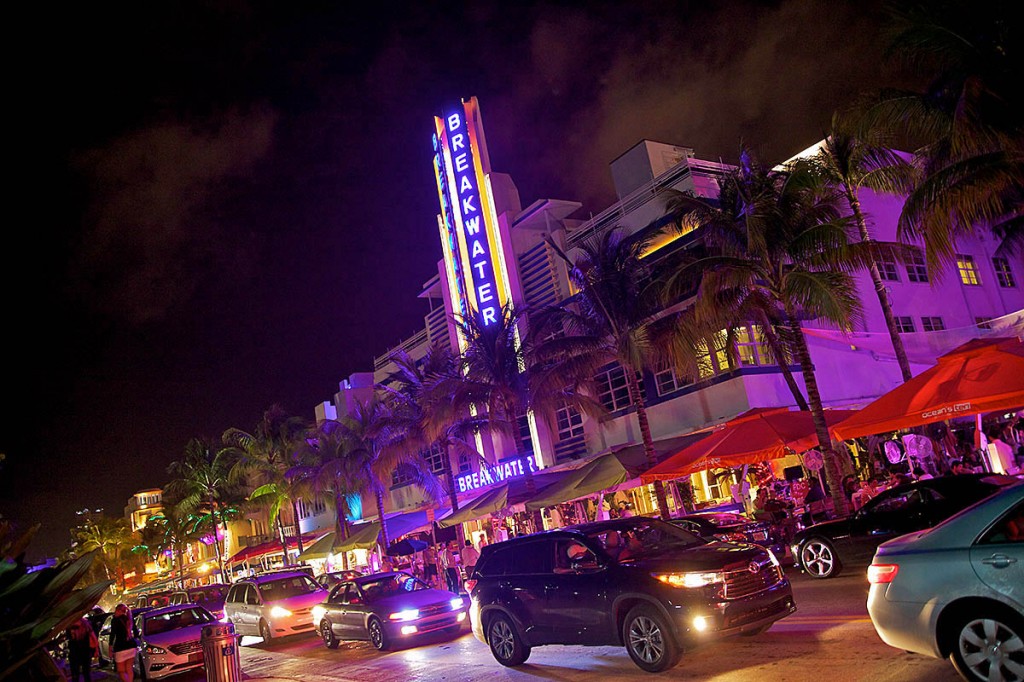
(751, 347)
(905, 324)
(570, 423)
(1003, 273)
(917, 270)
(968, 270)
(932, 324)
(667, 381)
(887, 270)
(983, 322)
(525, 438)
(435, 458)
(612, 390)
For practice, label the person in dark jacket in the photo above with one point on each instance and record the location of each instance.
(81, 649)
(122, 643)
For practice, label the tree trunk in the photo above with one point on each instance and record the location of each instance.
(775, 345)
(832, 473)
(341, 526)
(383, 523)
(449, 477)
(216, 541)
(880, 290)
(645, 434)
(281, 537)
(298, 526)
(181, 567)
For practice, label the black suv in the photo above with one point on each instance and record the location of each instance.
(638, 582)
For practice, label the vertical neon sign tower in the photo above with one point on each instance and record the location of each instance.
(474, 257)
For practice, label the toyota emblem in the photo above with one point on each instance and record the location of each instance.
(754, 567)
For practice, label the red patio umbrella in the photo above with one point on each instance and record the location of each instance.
(983, 375)
(754, 436)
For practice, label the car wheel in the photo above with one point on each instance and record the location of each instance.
(265, 632)
(378, 636)
(506, 644)
(819, 559)
(989, 647)
(330, 641)
(649, 640)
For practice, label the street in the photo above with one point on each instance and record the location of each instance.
(829, 638)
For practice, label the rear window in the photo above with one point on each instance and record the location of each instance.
(207, 594)
(283, 588)
(520, 558)
(391, 586)
(174, 620)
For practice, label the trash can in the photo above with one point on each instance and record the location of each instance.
(220, 653)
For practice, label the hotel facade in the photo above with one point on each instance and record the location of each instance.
(495, 251)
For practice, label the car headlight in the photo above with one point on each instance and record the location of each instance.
(689, 579)
(154, 650)
(457, 603)
(773, 559)
(279, 612)
(408, 614)
(318, 614)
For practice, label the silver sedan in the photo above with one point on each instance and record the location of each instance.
(957, 590)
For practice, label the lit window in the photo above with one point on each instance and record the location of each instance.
(751, 347)
(1003, 273)
(905, 325)
(932, 324)
(887, 270)
(917, 270)
(968, 270)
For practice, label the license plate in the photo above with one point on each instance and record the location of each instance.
(196, 657)
(761, 535)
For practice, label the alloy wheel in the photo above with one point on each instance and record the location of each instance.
(990, 650)
(818, 559)
(646, 639)
(502, 639)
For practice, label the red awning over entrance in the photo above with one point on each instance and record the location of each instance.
(983, 375)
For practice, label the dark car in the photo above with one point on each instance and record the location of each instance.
(729, 527)
(639, 582)
(152, 600)
(386, 608)
(210, 597)
(822, 550)
(329, 580)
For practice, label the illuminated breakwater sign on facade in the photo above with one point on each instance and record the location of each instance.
(474, 256)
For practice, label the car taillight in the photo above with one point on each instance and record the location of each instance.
(881, 574)
(470, 584)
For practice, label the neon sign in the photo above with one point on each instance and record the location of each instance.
(474, 260)
(495, 473)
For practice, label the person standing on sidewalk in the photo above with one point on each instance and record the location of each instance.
(449, 562)
(469, 558)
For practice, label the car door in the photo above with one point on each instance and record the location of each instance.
(233, 606)
(252, 612)
(575, 598)
(356, 609)
(998, 556)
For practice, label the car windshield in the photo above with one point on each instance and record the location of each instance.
(173, 620)
(389, 586)
(641, 536)
(725, 519)
(282, 588)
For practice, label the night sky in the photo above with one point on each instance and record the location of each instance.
(217, 206)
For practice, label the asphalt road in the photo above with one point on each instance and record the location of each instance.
(829, 639)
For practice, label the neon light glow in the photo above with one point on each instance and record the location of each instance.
(474, 258)
(495, 473)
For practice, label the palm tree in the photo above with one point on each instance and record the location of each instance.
(790, 252)
(615, 316)
(325, 471)
(850, 162)
(201, 482)
(171, 530)
(968, 122)
(262, 458)
(377, 452)
(111, 536)
(423, 397)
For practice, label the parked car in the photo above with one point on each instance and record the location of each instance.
(152, 600)
(329, 580)
(822, 550)
(639, 582)
(274, 604)
(729, 527)
(386, 608)
(168, 640)
(104, 631)
(955, 591)
(210, 597)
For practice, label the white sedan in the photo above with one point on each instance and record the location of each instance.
(957, 590)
